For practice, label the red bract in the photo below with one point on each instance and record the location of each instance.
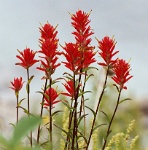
(27, 58)
(49, 45)
(69, 86)
(48, 32)
(107, 46)
(50, 97)
(88, 58)
(80, 21)
(72, 56)
(77, 59)
(17, 84)
(121, 73)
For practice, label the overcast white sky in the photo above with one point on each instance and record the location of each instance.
(127, 20)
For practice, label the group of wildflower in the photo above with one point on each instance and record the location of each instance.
(79, 56)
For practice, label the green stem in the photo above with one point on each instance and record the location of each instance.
(41, 113)
(111, 121)
(96, 112)
(76, 91)
(50, 115)
(69, 125)
(17, 99)
(28, 100)
(82, 105)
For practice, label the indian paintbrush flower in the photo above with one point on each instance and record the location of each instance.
(80, 21)
(27, 58)
(17, 84)
(48, 45)
(107, 46)
(121, 73)
(50, 97)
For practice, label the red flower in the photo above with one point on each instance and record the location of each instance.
(50, 97)
(88, 58)
(49, 45)
(80, 21)
(48, 32)
(72, 56)
(69, 86)
(17, 84)
(107, 47)
(121, 73)
(76, 59)
(27, 58)
(48, 66)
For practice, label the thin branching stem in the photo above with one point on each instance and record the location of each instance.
(96, 112)
(28, 100)
(50, 113)
(111, 121)
(41, 113)
(17, 113)
(82, 106)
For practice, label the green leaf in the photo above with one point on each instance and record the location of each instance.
(82, 93)
(81, 118)
(105, 115)
(88, 68)
(94, 113)
(67, 133)
(126, 99)
(23, 127)
(30, 79)
(25, 110)
(96, 127)
(67, 105)
(116, 87)
(4, 142)
(68, 76)
(28, 83)
(19, 103)
(81, 135)
(56, 112)
(88, 77)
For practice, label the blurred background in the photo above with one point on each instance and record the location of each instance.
(126, 20)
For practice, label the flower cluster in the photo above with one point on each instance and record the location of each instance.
(121, 73)
(49, 45)
(80, 21)
(79, 56)
(107, 46)
(50, 97)
(17, 84)
(27, 58)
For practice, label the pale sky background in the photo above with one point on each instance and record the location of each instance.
(127, 20)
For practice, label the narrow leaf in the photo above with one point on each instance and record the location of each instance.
(94, 113)
(19, 103)
(98, 126)
(126, 99)
(105, 115)
(81, 118)
(23, 127)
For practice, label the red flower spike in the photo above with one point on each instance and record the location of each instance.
(80, 21)
(69, 86)
(121, 73)
(27, 58)
(49, 45)
(17, 84)
(50, 97)
(107, 47)
(72, 56)
(48, 32)
(77, 59)
(48, 66)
